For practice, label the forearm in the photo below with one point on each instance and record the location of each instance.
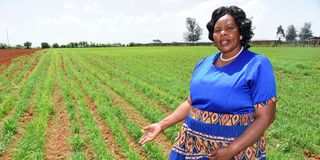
(251, 134)
(178, 115)
(264, 116)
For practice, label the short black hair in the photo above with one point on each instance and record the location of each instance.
(242, 21)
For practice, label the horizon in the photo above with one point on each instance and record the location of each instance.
(140, 21)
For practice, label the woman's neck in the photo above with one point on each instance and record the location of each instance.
(232, 53)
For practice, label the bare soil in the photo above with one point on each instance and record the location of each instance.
(6, 55)
(57, 144)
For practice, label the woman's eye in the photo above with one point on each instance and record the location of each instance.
(217, 31)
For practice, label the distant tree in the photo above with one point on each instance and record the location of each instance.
(280, 33)
(76, 44)
(70, 45)
(108, 45)
(3, 46)
(55, 45)
(92, 44)
(131, 44)
(45, 45)
(194, 31)
(291, 33)
(117, 44)
(156, 41)
(18, 46)
(305, 32)
(98, 45)
(27, 45)
(83, 44)
(80, 44)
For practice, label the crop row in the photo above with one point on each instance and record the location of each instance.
(111, 113)
(149, 111)
(26, 91)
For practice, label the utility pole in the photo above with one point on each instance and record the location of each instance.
(7, 36)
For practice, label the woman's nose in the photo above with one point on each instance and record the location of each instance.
(223, 32)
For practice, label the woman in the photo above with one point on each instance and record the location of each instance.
(232, 97)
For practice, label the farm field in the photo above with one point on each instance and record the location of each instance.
(91, 103)
(6, 55)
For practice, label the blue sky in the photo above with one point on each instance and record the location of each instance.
(125, 21)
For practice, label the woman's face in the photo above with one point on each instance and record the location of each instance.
(226, 34)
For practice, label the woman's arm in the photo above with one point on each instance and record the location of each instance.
(178, 115)
(264, 116)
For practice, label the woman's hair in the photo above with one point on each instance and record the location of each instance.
(242, 21)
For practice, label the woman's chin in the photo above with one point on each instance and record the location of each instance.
(224, 49)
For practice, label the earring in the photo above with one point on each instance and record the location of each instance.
(240, 37)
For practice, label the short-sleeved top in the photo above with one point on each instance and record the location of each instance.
(235, 88)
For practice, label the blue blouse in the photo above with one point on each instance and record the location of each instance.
(234, 88)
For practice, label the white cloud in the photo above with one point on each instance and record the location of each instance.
(69, 5)
(127, 21)
(93, 7)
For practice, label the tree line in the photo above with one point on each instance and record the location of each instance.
(294, 37)
(191, 36)
(80, 44)
(291, 34)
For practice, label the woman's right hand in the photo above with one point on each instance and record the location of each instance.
(151, 131)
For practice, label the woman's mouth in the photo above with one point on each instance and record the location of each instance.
(224, 42)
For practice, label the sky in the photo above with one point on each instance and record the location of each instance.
(140, 21)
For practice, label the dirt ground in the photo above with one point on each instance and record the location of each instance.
(6, 55)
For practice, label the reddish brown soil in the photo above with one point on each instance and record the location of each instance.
(20, 67)
(34, 64)
(106, 132)
(57, 144)
(63, 67)
(6, 55)
(27, 116)
(311, 155)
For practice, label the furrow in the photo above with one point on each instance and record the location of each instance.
(58, 134)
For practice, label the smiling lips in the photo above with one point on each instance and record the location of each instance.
(224, 42)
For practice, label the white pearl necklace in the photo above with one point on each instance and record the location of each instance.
(229, 59)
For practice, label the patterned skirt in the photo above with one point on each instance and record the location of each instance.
(203, 132)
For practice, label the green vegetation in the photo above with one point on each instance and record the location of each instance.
(151, 80)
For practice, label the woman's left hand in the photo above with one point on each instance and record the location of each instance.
(151, 132)
(223, 153)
